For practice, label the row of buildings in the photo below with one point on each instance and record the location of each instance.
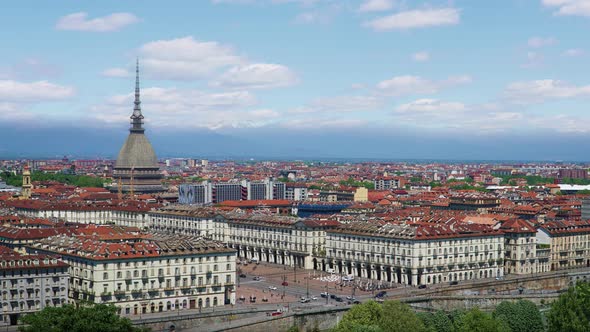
(217, 192)
(137, 271)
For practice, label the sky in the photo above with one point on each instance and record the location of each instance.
(388, 79)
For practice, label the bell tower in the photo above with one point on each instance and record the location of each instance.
(27, 186)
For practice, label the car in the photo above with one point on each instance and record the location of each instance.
(499, 278)
(454, 282)
(242, 275)
(285, 283)
(272, 288)
(349, 297)
(338, 299)
(314, 298)
(324, 294)
(276, 313)
(257, 278)
(381, 294)
(304, 300)
(354, 302)
(422, 286)
(332, 296)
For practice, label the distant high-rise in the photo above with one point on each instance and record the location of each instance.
(137, 169)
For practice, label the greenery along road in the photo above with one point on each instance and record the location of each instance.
(76, 180)
(571, 312)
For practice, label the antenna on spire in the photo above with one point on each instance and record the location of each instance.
(137, 117)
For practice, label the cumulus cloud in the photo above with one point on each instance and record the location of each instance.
(542, 90)
(573, 52)
(186, 108)
(431, 106)
(421, 18)
(537, 42)
(376, 5)
(81, 22)
(15, 91)
(410, 85)
(344, 104)
(257, 76)
(185, 58)
(569, 7)
(421, 56)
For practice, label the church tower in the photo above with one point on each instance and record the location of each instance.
(27, 186)
(137, 168)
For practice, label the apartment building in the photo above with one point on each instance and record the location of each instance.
(414, 254)
(522, 253)
(183, 219)
(569, 243)
(162, 273)
(29, 283)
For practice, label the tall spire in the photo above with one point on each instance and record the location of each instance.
(137, 117)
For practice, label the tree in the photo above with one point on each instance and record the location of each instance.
(521, 316)
(360, 315)
(571, 311)
(476, 320)
(437, 322)
(88, 317)
(400, 317)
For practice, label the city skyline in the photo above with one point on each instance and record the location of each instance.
(300, 79)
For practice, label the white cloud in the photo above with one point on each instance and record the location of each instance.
(345, 104)
(116, 72)
(80, 22)
(573, 52)
(257, 76)
(409, 85)
(421, 56)
(376, 5)
(185, 58)
(416, 19)
(541, 90)
(431, 106)
(569, 7)
(14, 91)
(533, 59)
(537, 42)
(186, 108)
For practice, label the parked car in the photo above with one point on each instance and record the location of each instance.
(354, 302)
(285, 283)
(454, 282)
(422, 286)
(256, 278)
(242, 275)
(304, 300)
(381, 294)
(332, 296)
(314, 298)
(324, 294)
(338, 299)
(272, 288)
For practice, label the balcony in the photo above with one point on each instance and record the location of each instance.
(168, 289)
(105, 296)
(119, 293)
(136, 292)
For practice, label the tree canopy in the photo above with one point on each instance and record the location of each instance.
(521, 316)
(571, 311)
(76, 180)
(86, 318)
(391, 316)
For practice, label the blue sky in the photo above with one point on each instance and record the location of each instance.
(280, 72)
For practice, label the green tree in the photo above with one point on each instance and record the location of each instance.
(476, 320)
(437, 322)
(365, 314)
(521, 316)
(400, 317)
(86, 318)
(571, 311)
